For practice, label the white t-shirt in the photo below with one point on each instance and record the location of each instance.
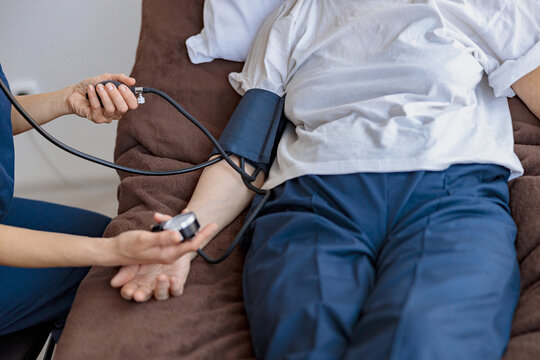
(396, 85)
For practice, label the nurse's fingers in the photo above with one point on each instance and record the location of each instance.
(95, 105)
(129, 97)
(159, 218)
(120, 105)
(108, 106)
(123, 78)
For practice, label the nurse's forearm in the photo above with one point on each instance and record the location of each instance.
(220, 195)
(41, 107)
(30, 248)
(528, 90)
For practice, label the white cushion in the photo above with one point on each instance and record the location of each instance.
(229, 28)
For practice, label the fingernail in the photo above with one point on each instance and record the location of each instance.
(159, 214)
(100, 87)
(110, 86)
(122, 88)
(90, 87)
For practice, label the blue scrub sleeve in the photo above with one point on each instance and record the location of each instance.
(255, 127)
(6, 151)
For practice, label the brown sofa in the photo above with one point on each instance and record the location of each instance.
(208, 321)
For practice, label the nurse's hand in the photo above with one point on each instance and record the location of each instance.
(145, 247)
(142, 282)
(116, 101)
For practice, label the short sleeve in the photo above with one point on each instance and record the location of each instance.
(266, 65)
(511, 70)
(518, 47)
(506, 34)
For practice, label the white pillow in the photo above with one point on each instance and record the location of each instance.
(229, 28)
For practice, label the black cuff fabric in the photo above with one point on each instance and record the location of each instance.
(255, 127)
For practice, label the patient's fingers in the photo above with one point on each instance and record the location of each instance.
(125, 274)
(177, 286)
(161, 291)
(128, 290)
(142, 294)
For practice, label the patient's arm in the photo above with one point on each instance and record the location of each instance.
(528, 90)
(220, 196)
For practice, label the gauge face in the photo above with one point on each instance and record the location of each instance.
(180, 222)
(186, 224)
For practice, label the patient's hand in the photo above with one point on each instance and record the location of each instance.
(140, 282)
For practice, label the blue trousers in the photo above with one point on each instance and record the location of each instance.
(33, 296)
(416, 265)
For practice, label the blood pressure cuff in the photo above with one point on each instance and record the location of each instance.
(255, 127)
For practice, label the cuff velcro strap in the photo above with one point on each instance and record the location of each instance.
(255, 128)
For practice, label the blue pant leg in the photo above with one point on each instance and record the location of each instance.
(308, 270)
(33, 296)
(448, 279)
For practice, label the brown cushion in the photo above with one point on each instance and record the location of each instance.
(525, 205)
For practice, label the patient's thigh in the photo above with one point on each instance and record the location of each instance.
(309, 268)
(447, 277)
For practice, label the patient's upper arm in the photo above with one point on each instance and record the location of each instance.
(528, 90)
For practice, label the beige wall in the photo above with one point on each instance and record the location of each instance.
(49, 44)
